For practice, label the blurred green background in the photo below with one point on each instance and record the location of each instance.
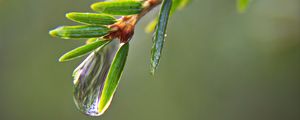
(216, 65)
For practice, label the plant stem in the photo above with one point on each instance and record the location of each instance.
(148, 6)
(124, 29)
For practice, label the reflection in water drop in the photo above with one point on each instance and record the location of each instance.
(89, 77)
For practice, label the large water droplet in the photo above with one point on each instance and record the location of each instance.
(89, 77)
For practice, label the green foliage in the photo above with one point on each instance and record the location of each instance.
(82, 50)
(97, 77)
(160, 34)
(82, 31)
(113, 77)
(91, 18)
(151, 26)
(124, 7)
(176, 5)
(242, 5)
(179, 4)
(91, 40)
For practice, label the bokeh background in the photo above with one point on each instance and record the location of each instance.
(217, 64)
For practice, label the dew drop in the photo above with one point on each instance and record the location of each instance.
(89, 78)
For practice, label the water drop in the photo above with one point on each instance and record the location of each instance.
(89, 78)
